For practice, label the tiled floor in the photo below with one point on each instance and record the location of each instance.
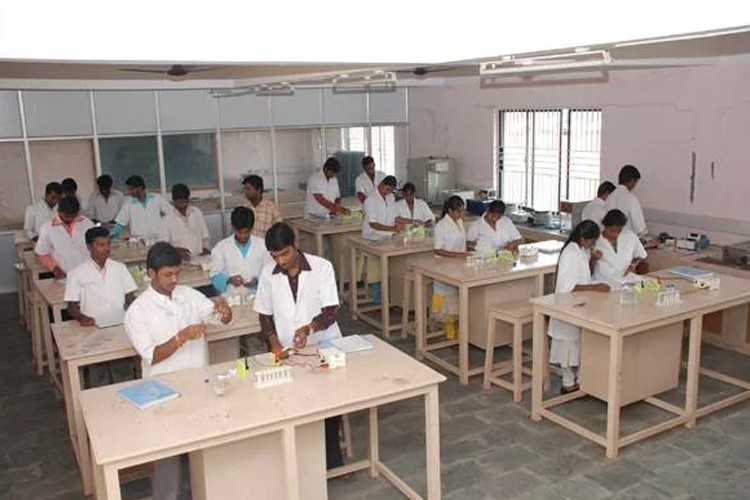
(490, 447)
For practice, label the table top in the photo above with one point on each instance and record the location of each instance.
(327, 226)
(603, 311)
(76, 342)
(199, 418)
(391, 247)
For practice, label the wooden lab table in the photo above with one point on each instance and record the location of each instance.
(51, 295)
(337, 230)
(395, 257)
(82, 346)
(633, 353)
(266, 441)
(478, 290)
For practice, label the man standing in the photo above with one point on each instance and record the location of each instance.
(105, 203)
(369, 180)
(62, 242)
(323, 195)
(624, 199)
(143, 212)
(185, 228)
(597, 208)
(266, 212)
(43, 211)
(166, 325)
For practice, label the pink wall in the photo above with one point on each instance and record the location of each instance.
(653, 119)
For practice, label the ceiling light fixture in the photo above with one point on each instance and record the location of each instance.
(261, 90)
(569, 60)
(376, 81)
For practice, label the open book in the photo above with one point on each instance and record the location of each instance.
(148, 393)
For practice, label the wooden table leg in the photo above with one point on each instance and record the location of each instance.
(51, 361)
(385, 299)
(289, 443)
(537, 369)
(432, 438)
(107, 483)
(37, 344)
(319, 245)
(374, 442)
(353, 304)
(613, 394)
(420, 316)
(693, 370)
(81, 434)
(49, 351)
(463, 335)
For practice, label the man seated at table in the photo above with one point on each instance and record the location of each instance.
(185, 228)
(266, 212)
(323, 195)
(237, 261)
(166, 325)
(98, 292)
(367, 181)
(494, 231)
(143, 211)
(105, 203)
(43, 211)
(297, 303)
(62, 242)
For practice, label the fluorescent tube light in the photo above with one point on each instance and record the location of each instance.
(570, 60)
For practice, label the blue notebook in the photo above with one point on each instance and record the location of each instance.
(148, 393)
(690, 272)
(348, 344)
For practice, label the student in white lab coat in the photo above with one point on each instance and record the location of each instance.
(323, 195)
(368, 181)
(62, 242)
(297, 303)
(622, 251)
(105, 203)
(185, 228)
(143, 211)
(166, 325)
(573, 275)
(238, 260)
(597, 208)
(494, 231)
(625, 200)
(98, 292)
(43, 211)
(412, 209)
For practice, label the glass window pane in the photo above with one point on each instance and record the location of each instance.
(122, 157)
(190, 159)
(14, 185)
(56, 160)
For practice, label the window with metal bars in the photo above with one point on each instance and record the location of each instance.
(545, 156)
(377, 141)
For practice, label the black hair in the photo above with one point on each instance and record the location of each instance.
(162, 254)
(586, 229)
(104, 181)
(53, 187)
(628, 173)
(135, 181)
(242, 218)
(496, 207)
(333, 165)
(280, 236)
(605, 187)
(408, 188)
(69, 205)
(69, 185)
(367, 160)
(452, 203)
(96, 232)
(390, 180)
(615, 218)
(180, 192)
(255, 181)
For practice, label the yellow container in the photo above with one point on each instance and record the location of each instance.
(451, 328)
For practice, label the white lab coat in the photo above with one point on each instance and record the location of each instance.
(450, 236)
(421, 211)
(144, 221)
(188, 231)
(318, 184)
(68, 250)
(363, 184)
(316, 290)
(227, 258)
(595, 211)
(36, 216)
(381, 211)
(623, 199)
(613, 264)
(489, 239)
(100, 292)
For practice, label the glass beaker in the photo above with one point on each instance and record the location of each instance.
(628, 296)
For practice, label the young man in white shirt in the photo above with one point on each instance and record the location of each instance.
(105, 203)
(62, 242)
(267, 213)
(237, 261)
(412, 209)
(494, 231)
(323, 195)
(625, 200)
(143, 211)
(185, 228)
(42, 211)
(297, 304)
(166, 325)
(597, 208)
(97, 293)
(369, 180)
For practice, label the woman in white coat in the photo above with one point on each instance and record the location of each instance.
(413, 209)
(622, 251)
(494, 231)
(297, 304)
(573, 275)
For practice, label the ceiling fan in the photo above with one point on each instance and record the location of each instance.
(174, 71)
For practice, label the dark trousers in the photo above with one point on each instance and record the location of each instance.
(333, 444)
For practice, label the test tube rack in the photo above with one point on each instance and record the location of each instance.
(270, 377)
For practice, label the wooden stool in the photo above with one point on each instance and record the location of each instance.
(517, 313)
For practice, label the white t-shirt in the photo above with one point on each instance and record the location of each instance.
(613, 264)
(421, 211)
(595, 211)
(100, 292)
(68, 250)
(153, 319)
(492, 239)
(188, 231)
(363, 184)
(572, 269)
(623, 199)
(36, 216)
(380, 210)
(227, 258)
(105, 210)
(144, 221)
(318, 184)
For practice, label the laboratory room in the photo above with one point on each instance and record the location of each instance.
(258, 258)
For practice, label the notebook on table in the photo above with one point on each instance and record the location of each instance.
(147, 394)
(110, 318)
(349, 344)
(691, 273)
